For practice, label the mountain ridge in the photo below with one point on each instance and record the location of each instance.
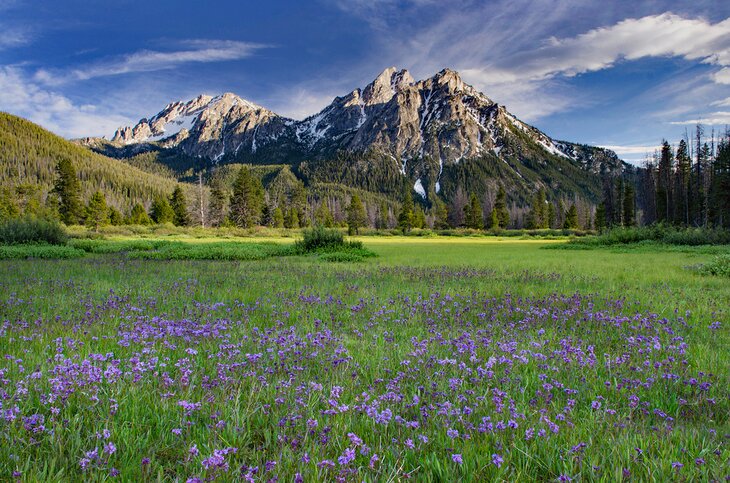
(396, 126)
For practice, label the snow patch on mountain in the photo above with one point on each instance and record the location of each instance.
(418, 188)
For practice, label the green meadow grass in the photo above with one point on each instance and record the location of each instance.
(55, 297)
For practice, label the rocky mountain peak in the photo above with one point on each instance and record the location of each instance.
(385, 86)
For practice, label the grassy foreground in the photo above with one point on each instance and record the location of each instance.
(439, 360)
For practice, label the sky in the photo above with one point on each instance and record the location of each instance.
(620, 74)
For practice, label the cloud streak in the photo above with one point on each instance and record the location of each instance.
(713, 119)
(665, 35)
(54, 111)
(193, 51)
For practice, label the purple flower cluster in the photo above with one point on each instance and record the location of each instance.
(332, 380)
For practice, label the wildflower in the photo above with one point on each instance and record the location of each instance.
(354, 439)
(497, 460)
(347, 457)
(456, 458)
(373, 460)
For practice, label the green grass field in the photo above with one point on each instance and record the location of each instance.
(439, 360)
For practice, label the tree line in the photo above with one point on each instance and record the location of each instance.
(686, 186)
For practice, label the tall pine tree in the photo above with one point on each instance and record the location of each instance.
(247, 199)
(97, 212)
(356, 216)
(68, 189)
(180, 207)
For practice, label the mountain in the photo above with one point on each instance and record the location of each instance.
(440, 135)
(29, 154)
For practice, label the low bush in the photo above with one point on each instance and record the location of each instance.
(39, 251)
(29, 229)
(214, 251)
(720, 265)
(107, 246)
(341, 257)
(320, 238)
(661, 234)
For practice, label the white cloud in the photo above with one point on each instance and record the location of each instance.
(197, 51)
(300, 103)
(665, 35)
(21, 96)
(507, 48)
(720, 118)
(722, 76)
(630, 149)
(722, 102)
(13, 37)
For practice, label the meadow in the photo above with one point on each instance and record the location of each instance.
(438, 360)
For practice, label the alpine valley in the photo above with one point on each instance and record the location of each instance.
(439, 137)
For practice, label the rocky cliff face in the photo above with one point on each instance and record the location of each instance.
(420, 127)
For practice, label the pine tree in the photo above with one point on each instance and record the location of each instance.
(356, 216)
(629, 206)
(494, 220)
(218, 203)
(383, 216)
(600, 220)
(247, 199)
(500, 207)
(664, 185)
(138, 216)
(115, 216)
(161, 211)
(720, 192)
(97, 212)
(538, 216)
(419, 217)
(291, 220)
(179, 207)
(683, 189)
(441, 215)
(406, 215)
(278, 218)
(267, 215)
(323, 216)
(68, 188)
(551, 215)
(571, 218)
(473, 217)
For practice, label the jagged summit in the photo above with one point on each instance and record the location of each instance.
(420, 127)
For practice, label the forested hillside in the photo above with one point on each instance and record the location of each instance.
(29, 155)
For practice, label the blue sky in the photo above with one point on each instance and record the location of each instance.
(613, 73)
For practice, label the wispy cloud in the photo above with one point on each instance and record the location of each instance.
(52, 110)
(192, 51)
(508, 49)
(13, 37)
(665, 35)
(721, 103)
(301, 102)
(720, 118)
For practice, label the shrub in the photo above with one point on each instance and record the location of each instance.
(214, 251)
(658, 233)
(39, 251)
(29, 229)
(341, 257)
(320, 238)
(720, 265)
(108, 246)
